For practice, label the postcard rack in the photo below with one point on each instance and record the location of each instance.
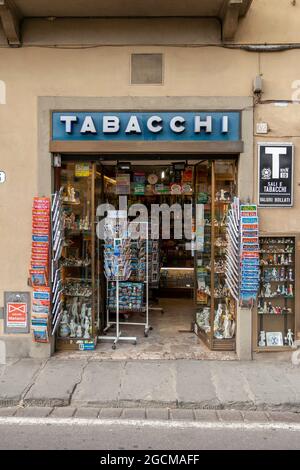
(126, 271)
(57, 246)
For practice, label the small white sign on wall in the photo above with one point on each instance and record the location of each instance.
(2, 177)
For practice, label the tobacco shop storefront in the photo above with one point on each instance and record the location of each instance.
(139, 224)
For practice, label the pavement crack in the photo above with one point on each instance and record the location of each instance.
(80, 379)
(34, 378)
(122, 376)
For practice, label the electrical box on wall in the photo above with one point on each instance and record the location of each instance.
(258, 84)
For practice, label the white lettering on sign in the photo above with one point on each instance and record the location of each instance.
(68, 120)
(207, 124)
(111, 124)
(275, 152)
(88, 126)
(176, 124)
(133, 126)
(153, 124)
(2, 176)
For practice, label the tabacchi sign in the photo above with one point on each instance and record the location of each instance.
(275, 167)
(140, 126)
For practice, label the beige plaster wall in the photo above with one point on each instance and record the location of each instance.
(32, 72)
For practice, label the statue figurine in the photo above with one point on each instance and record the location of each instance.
(79, 332)
(73, 328)
(83, 313)
(86, 328)
(227, 326)
(75, 310)
(289, 336)
(72, 195)
(262, 340)
(268, 292)
(86, 224)
(217, 322)
(222, 195)
(64, 329)
(290, 291)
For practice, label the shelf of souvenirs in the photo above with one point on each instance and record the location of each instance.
(286, 265)
(279, 241)
(73, 262)
(275, 311)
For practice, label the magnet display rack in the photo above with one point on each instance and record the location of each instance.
(276, 299)
(126, 270)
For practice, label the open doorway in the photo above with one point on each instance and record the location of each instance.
(186, 290)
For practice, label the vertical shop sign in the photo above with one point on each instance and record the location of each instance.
(275, 174)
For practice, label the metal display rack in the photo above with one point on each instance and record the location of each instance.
(57, 246)
(118, 241)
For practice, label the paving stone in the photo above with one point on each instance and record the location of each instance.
(15, 379)
(182, 414)
(99, 385)
(63, 412)
(284, 417)
(110, 413)
(255, 417)
(55, 383)
(85, 412)
(225, 378)
(34, 412)
(149, 382)
(194, 384)
(134, 413)
(268, 385)
(160, 414)
(10, 411)
(230, 415)
(206, 415)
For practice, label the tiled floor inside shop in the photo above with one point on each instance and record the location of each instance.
(171, 337)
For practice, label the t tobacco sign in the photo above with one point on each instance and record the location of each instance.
(275, 174)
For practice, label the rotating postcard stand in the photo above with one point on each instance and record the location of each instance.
(126, 273)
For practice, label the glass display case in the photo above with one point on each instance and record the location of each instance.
(276, 299)
(80, 261)
(216, 309)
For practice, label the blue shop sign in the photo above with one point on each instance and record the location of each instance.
(140, 126)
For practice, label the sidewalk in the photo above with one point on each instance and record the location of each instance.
(63, 382)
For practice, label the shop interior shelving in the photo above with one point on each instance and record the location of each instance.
(275, 310)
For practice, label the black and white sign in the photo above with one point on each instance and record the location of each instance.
(275, 174)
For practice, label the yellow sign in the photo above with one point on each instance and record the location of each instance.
(82, 170)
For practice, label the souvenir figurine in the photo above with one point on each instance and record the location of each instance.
(218, 318)
(262, 341)
(268, 292)
(265, 309)
(79, 332)
(86, 328)
(72, 195)
(227, 326)
(222, 195)
(72, 328)
(289, 336)
(290, 291)
(291, 275)
(64, 329)
(75, 310)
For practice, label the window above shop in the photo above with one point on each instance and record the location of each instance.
(12, 13)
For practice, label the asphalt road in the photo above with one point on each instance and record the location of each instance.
(34, 434)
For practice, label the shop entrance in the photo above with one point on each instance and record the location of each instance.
(189, 305)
